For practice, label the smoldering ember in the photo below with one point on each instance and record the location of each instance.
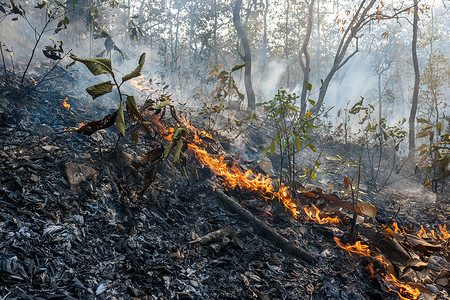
(224, 149)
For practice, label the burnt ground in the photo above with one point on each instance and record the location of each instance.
(66, 235)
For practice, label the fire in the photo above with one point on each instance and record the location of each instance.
(65, 103)
(34, 81)
(423, 234)
(139, 83)
(316, 217)
(233, 177)
(403, 290)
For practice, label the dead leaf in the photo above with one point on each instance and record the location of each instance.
(347, 182)
(49, 147)
(443, 278)
(416, 263)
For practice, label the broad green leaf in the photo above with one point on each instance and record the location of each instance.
(238, 67)
(313, 103)
(133, 109)
(272, 148)
(137, 71)
(100, 89)
(176, 155)
(283, 143)
(312, 147)
(120, 122)
(97, 66)
(167, 150)
(155, 107)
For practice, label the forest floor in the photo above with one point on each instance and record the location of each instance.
(72, 227)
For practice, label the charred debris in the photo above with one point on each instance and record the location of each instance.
(165, 212)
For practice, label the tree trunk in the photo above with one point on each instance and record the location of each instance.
(306, 64)
(412, 115)
(264, 54)
(286, 45)
(247, 58)
(341, 57)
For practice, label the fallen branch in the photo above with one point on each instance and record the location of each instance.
(265, 231)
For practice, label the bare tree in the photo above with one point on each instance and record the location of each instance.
(305, 60)
(246, 57)
(415, 99)
(362, 17)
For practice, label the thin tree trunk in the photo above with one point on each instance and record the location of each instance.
(286, 45)
(415, 99)
(306, 64)
(247, 58)
(264, 54)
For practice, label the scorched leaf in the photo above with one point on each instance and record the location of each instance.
(92, 127)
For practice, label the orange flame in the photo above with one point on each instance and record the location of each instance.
(445, 235)
(316, 216)
(139, 83)
(65, 103)
(423, 234)
(403, 290)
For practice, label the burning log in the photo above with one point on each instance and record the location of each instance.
(264, 231)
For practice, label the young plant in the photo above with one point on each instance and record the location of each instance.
(434, 155)
(54, 12)
(291, 132)
(99, 66)
(375, 135)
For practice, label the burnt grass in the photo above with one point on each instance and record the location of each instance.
(99, 240)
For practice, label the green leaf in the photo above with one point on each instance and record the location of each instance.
(120, 122)
(167, 150)
(100, 89)
(238, 67)
(283, 143)
(137, 71)
(313, 103)
(97, 66)
(308, 85)
(272, 148)
(176, 155)
(264, 153)
(155, 107)
(312, 147)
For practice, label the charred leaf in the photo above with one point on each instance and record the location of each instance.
(149, 177)
(94, 126)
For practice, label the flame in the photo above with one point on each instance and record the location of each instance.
(316, 217)
(423, 234)
(232, 175)
(445, 235)
(34, 81)
(397, 229)
(403, 290)
(65, 103)
(139, 83)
